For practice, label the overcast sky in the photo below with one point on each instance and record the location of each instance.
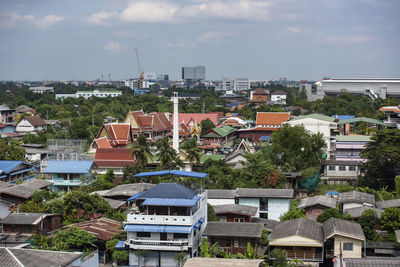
(258, 39)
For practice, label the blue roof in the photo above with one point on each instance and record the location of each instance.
(157, 228)
(135, 196)
(169, 190)
(179, 202)
(265, 138)
(68, 166)
(173, 172)
(330, 193)
(7, 166)
(343, 117)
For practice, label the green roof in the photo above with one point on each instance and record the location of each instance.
(205, 157)
(353, 138)
(363, 119)
(221, 131)
(315, 116)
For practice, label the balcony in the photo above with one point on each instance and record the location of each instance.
(169, 245)
(304, 256)
(159, 219)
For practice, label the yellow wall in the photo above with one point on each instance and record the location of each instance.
(357, 247)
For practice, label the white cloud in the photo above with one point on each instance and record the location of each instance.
(214, 36)
(102, 17)
(231, 9)
(293, 29)
(113, 47)
(11, 20)
(343, 39)
(149, 11)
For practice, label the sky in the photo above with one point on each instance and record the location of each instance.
(256, 39)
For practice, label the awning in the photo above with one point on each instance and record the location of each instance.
(173, 172)
(135, 196)
(157, 228)
(199, 222)
(171, 202)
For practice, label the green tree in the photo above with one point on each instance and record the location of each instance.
(383, 154)
(105, 181)
(11, 150)
(397, 185)
(332, 213)
(192, 151)
(211, 216)
(74, 239)
(141, 150)
(206, 125)
(180, 257)
(166, 154)
(31, 206)
(297, 149)
(279, 258)
(292, 214)
(120, 256)
(369, 221)
(390, 219)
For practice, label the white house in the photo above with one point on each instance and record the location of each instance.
(278, 97)
(31, 124)
(217, 197)
(317, 123)
(41, 89)
(88, 94)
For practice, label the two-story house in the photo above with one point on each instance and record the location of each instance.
(7, 115)
(31, 124)
(235, 212)
(223, 136)
(271, 203)
(165, 220)
(315, 206)
(14, 170)
(65, 174)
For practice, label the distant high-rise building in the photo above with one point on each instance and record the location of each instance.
(197, 73)
(241, 84)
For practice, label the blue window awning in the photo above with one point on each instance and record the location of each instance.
(171, 202)
(135, 196)
(199, 222)
(120, 245)
(157, 228)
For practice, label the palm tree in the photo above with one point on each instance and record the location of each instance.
(141, 150)
(166, 153)
(193, 152)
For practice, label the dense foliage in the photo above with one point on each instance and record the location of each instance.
(369, 221)
(332, 213)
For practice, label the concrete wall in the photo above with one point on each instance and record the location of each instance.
(220, 201)
(153, 258)
(251, 201)
(357, 247)
(277, 207)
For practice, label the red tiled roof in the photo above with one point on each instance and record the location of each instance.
(260, 91)
(272, 118)
(196, 117)
(114, 157)
(259, 129)
(102, 143)
(119, 133)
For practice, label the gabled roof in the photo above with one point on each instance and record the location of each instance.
(114, 157)
(195, 117)
(393, 203)
(128, 190)
(235, 209)
(220, 131)
(34, 257)
(335, 226)
(279, 93)
(169, 190)
(269, 225)
(357, 197)
(220, 193)
(68, 166)
(328, 202)
(356, 212)
(372, 262)
(102, 228)
(235, 154)
(35, 121)
(264, 192)
(316, 117)
(20, 191)
(364, 119)
(272, 118)
(119, 133)
(232, 229)
(102, 142)
(37, 183)
(260, 91)
(299, 227)
(7, 166)
(25, 218)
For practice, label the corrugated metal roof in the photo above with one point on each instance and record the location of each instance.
(357, 197)
(373, 262)
(102, 228)
(234, 229)
(315, 116)
(235, 209)
(334, 226)
(7, 166)
(299, 227)
(169, 190)
(264, 192)
(220, 193)
(68, 166)
(328, 202)
(393, 203)
(364, 119)
(171, 202)
(173, 172)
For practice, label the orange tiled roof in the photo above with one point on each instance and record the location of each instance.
(114, 157)
(119, 133)
(102, 142)
(272, 118)
(196, 117)
(395, 109)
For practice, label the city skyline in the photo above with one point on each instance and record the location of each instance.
(238, 38)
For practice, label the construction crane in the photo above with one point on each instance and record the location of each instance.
(141, 76)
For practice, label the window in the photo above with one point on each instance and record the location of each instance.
(239, 220)
(177, 235)
(348, 246)
(332, 167)
(352, 168)
(143, 234)
(342, 168)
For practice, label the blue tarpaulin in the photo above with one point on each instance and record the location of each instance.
(157, 228)
(173, 172)
(171, 202)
